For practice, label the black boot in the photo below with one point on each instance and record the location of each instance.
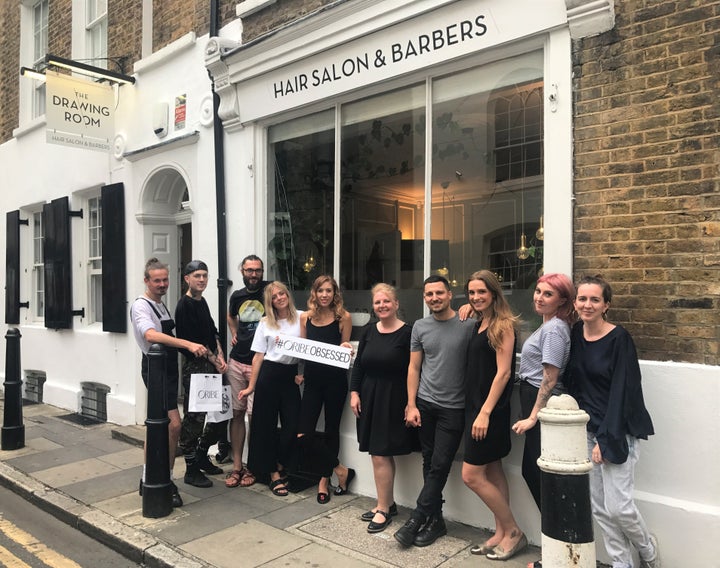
(407, 533)
(204, 463)
(195, 477)
(433, 530)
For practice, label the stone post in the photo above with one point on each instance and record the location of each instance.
(567, 528)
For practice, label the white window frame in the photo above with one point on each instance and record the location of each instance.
(32, 92)
(96, 31)
(32, 283)
(93, 257)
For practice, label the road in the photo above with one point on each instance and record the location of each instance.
(32, 538)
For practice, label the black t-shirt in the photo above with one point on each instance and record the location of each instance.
(247, 307)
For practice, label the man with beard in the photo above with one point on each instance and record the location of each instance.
(195, 323)
(152, 324)
(245, 311)
(436, 404)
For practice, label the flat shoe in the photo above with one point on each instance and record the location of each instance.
(367, 516)
(482, 549)
(499, 552)
(323, 498)
(374, 527)
(350, 476)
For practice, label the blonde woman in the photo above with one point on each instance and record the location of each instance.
(378, 398)
(275, 382)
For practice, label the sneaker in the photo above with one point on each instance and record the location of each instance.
(433, 530)
(655, 562)
(223, 454)
(196, 478)
(204, 463)
(405, 535)
(176, 499)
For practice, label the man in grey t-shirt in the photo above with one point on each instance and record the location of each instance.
(436, 404)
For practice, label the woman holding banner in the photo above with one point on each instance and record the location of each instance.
(326, 387)
(378, 396)
(275, 381)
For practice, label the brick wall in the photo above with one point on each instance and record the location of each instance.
(125, 32)
(277, 15)
(172, 19)
(10, 68)
(647, 179)
(60, 28)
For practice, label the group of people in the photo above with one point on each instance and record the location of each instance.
(444, 380)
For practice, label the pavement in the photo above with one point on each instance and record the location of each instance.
(87, 476)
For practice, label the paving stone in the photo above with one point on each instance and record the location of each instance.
(73, 472)
(247, 544)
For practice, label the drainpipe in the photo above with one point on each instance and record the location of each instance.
(223, 283)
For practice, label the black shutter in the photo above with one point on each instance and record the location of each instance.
(12, 267)
(114, 276)
(58, 276)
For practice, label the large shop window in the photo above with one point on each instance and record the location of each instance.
(481, 142)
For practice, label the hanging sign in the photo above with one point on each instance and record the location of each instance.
(317, 351)
(79, 113)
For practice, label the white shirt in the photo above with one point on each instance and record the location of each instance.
(264, 340)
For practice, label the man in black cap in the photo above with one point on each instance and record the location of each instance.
(194, 323)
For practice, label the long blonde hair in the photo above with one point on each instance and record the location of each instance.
(502, 320)
(270, 313)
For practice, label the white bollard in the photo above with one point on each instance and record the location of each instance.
(567, 529)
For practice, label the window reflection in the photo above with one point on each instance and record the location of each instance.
(484, 133)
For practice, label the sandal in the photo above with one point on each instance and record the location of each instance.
(247, 479)
(279, 487)
(234, 478)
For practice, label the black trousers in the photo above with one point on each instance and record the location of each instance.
(440, 436)
(531, 451)
(319, 453)
(276, 397)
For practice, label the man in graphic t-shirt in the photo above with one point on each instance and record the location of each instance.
(245, 311)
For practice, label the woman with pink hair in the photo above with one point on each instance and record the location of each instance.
(544, 358)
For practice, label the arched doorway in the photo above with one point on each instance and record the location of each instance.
(166, 214)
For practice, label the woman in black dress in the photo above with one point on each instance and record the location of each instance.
(378, 396)
(489, 373)
(326, 387)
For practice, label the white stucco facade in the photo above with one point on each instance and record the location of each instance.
(677, 485)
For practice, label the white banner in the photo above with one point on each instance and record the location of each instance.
(79, 112)
(316, 351)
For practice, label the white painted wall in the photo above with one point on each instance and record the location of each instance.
(677, 483)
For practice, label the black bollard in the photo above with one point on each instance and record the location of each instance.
(157, 489)
(13, 430)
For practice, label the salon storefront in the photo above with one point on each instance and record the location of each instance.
(427, 138)
(385, 141)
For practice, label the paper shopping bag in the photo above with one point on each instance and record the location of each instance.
(205, 393)
(227, 412)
